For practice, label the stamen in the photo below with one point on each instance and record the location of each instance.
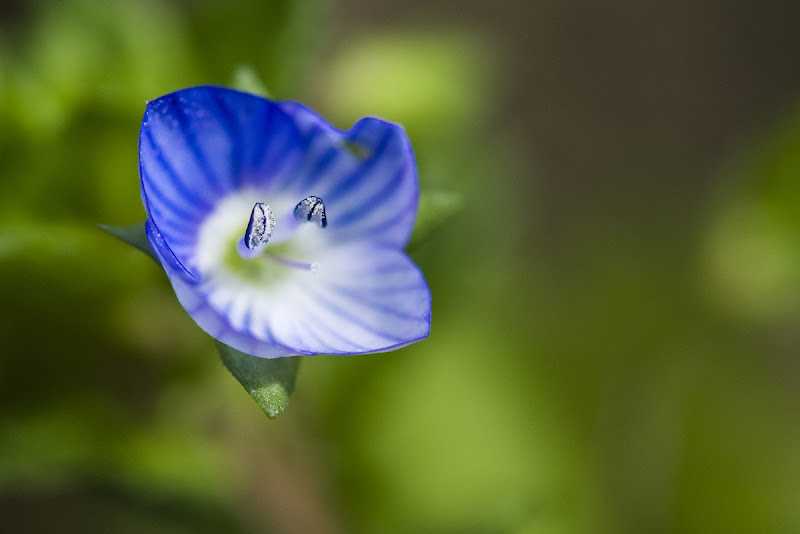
(259, 229)
(311, 209)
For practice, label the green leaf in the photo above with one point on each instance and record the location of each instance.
(132, 234)
(246, 79)
(268, 381)
(435, 208)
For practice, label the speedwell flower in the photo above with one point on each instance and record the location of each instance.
(280, 234)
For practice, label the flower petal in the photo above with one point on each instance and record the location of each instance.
(198, 145)
(366, 176)
(362, 299)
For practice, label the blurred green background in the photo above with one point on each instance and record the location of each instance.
(616, 326)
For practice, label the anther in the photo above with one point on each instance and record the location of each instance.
(311, 209)
(259, 229)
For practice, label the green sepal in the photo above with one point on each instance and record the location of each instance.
(269, 381)
(435, 208)
(245, 78)
(132, 234)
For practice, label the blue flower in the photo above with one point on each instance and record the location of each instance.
(280, 234)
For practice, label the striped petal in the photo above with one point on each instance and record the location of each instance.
(198, 145)
(363, 299)
(366, 176)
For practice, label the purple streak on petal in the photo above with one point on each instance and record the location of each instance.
(374, 160)
(167, 193)
(319, 167)
(274, 149)
(391, 308)
(234, 130)
(375, 201)
(216, 175)
(361, 320)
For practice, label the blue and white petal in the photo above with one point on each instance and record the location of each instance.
(361, 299)
(198, 146)
(366, 175)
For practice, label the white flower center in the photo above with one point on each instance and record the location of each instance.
(267, 250)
